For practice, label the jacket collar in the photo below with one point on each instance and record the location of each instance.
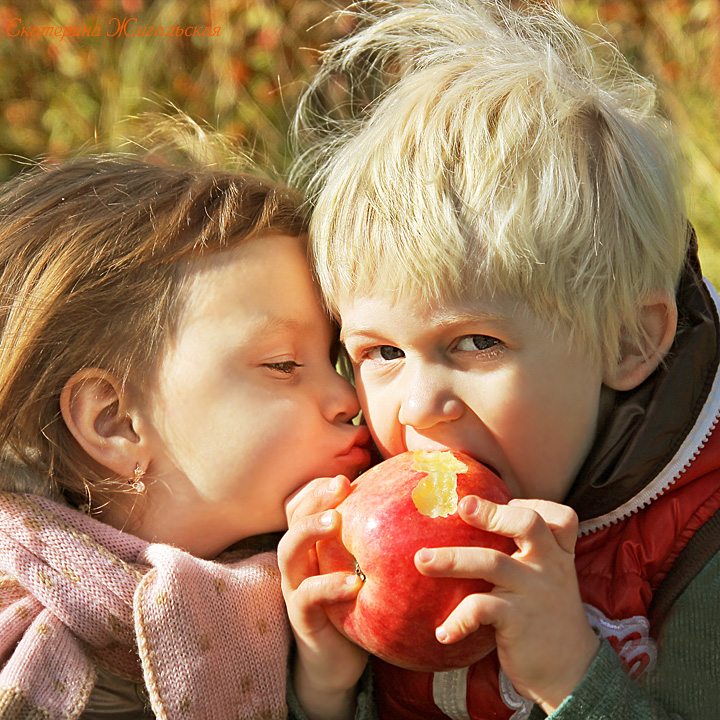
(654, 431)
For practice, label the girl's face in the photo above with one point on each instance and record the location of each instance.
(247, 406)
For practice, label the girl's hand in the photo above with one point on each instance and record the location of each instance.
(327, 665)
(545, 643)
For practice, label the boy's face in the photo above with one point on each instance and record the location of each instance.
(487, 377)
(248, 406)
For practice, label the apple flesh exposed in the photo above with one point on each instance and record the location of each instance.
(394, 509)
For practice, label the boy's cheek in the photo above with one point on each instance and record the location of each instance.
(386, 434)
(378, 454)
(381, 446)
(380, 411)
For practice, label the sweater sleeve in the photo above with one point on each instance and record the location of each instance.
(686, 682)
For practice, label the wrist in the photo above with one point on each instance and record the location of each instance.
(553, 696)
(322, 701)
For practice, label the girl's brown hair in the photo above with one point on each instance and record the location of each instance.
(92, 252)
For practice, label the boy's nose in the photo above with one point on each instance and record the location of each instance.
(427, 402)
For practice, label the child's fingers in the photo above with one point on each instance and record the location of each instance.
(319, 590)
(469, 615)
(561, 519)
(468, 562)
(316, 496)
(298, 544)
(525, 525)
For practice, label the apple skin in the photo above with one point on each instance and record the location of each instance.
(397, 610)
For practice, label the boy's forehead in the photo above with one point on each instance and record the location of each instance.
(366, 312)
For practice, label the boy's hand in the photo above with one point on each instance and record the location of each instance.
(327, 666)
(545, 643)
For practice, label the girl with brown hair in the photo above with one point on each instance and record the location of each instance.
(166, 383)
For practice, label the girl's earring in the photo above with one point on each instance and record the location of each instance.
(137, 481)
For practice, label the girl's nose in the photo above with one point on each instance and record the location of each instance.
(341, 402)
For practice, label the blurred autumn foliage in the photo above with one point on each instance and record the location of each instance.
(60, 93)
(237, 64)
(677, 43)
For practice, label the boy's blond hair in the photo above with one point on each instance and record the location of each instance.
(512, 153)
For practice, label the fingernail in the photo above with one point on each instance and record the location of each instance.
(425, 555)
(352, 579)
(333, 485)
(326, 518)
(441, 634)
(470, 505)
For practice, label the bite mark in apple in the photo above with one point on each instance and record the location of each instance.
(436, 494)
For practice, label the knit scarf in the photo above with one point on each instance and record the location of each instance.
(209, 639)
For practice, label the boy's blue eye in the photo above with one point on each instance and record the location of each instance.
(476, 343)
(385, 352)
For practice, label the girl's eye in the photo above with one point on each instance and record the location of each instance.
(477, 343)
(384, 353)
(286, 367)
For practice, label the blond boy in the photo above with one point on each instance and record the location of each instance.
(502, 236)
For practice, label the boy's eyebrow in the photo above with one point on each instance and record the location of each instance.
(439, 320)
(463, 318)
(346, 330)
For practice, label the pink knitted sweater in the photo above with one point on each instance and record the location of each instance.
(209, 639)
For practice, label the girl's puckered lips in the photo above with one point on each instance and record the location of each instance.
(356, 457)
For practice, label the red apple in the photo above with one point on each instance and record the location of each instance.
(397, 507)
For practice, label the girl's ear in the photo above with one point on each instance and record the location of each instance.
(639, 359)
(94, 407)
